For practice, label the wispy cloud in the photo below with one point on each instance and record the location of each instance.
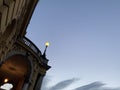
(66, 83)
(59, 86)
(96, 86)
(91, 86)
(63, 84)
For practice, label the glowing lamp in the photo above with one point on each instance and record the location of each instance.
(5, 80)
(47, 44)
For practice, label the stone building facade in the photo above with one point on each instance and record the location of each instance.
(21, 62)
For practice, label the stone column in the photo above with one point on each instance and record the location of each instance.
(25, 87)
(39, 83)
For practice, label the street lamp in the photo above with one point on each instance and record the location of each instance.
(46, 45)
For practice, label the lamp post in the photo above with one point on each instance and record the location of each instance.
(46, 45)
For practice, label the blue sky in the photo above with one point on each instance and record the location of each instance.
(84, 37)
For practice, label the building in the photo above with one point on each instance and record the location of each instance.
(21, 63)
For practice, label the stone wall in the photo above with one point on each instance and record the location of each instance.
(15, 16)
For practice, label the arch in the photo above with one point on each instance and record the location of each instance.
(22, 53)
(17, 69)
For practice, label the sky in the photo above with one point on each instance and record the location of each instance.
(84, 38)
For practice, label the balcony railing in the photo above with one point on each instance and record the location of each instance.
(26, 42)
(32, 46)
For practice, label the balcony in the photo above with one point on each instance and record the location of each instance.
(32, 48)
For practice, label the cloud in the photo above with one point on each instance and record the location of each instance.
(63, 84)
(95, 86)
(91, 86)
(66, 83)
